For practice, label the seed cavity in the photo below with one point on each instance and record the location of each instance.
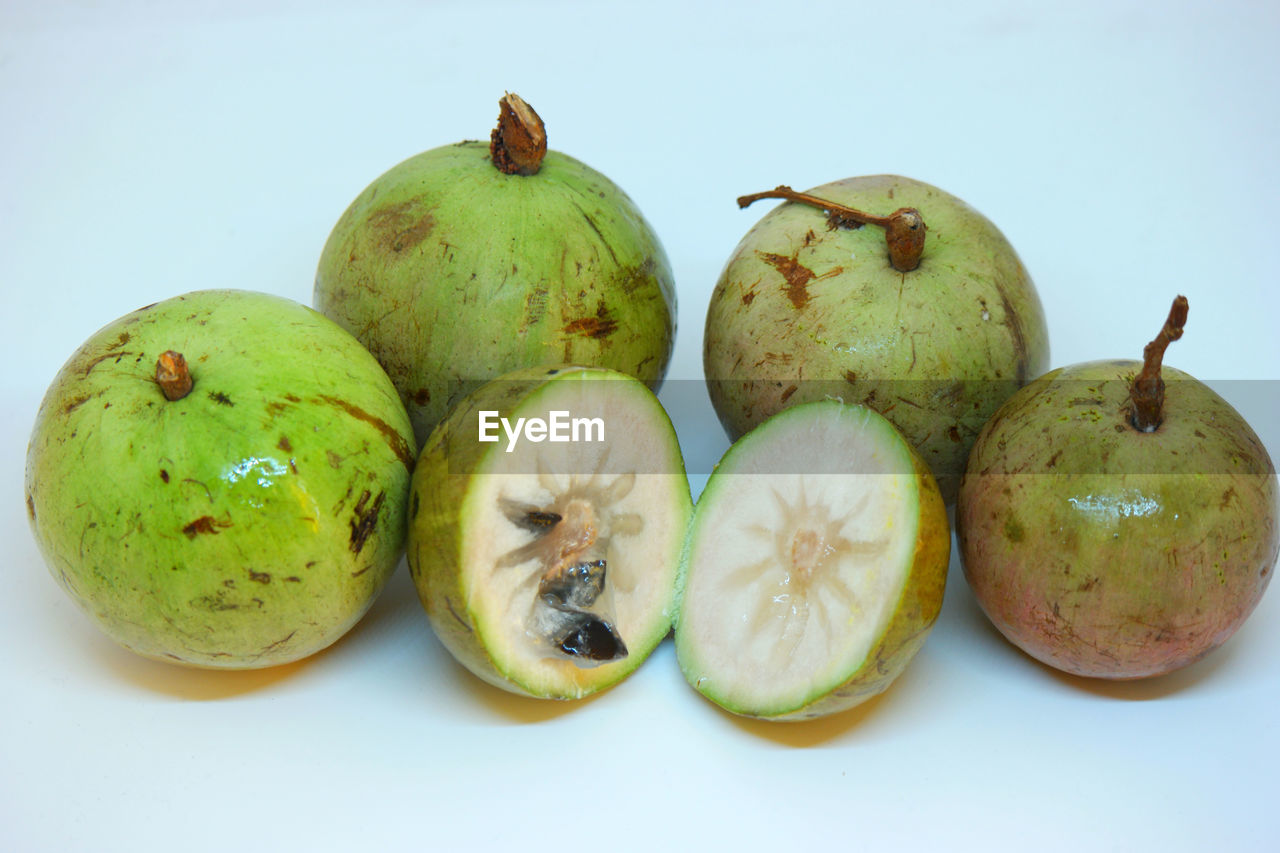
(802, 584)
(571, 612)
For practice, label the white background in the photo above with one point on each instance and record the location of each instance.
(1128, 151)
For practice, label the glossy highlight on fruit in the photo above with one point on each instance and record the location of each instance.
(1107, 549)
(220, 480)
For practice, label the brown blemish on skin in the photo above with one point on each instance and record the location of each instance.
(1018, 337)
(599, 326)
(631, 279)
(164, 475)
(284, 444)
(394, 439)
(791, 389)
(214, 603)
(220, 398)
(850, 377)
(204, 524)
(535, 308)
(449, 606)
(421, 397)
(278, 643)
(293, 579)
(954, 434)
(796, 274)
(72, 405)
(397, 228)
(748, 297)
(31, 508)
(1227, 497)
(364, 518)
(259, 577)
(99, 359)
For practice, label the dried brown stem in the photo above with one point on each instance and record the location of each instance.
(1147, 391)
(172, 375)
(904, 228)
(519, 142)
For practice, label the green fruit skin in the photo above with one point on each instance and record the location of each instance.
(913, 617)
(453, 273)
(804, 313)
(248, 524)
(1111, 553)
(441, 484)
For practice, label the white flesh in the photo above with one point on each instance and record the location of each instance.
(793, 575)
(633, 488)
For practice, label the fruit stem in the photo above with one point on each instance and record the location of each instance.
(1147, 391)
(172, 375)
(519, 142)
(904, 228)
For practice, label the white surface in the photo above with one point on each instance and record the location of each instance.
(1126, 149)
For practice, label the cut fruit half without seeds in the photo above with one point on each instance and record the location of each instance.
(548, 567)
(815, 565)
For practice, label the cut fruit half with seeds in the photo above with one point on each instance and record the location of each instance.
(548, 567)
(815, 566)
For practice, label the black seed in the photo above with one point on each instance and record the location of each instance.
(529, 518)
(594, 640)
(575, 588)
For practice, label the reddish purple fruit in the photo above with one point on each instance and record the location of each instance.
(1115, 524)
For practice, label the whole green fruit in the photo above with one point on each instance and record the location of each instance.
(459, 265)
(1115, 550)
(811, 306)
(220, 479)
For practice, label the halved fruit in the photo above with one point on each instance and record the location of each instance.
(815, 566)
(548, 567)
